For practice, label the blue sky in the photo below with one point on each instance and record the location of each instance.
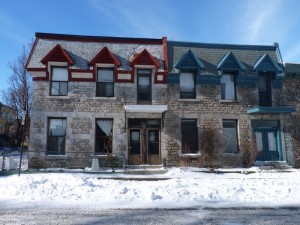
(259, 22)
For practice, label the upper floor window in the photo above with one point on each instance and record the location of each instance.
(105, 82)
(144, 85)
(59, 80)
(187, 85)
(228, 87)
(264, 88)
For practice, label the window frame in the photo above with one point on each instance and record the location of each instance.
(187, 134)
(235, 150)
(107, 138)
(59, 82)
(147, 97)
(49, 137)
(187, 94)
(105, 84)
(223, 89)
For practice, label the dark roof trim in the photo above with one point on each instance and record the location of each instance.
(228, 56)
(85, 38)
(224, 46)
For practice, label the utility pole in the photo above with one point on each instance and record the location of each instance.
(22, 140)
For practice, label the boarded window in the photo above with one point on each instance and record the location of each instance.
(230, 136)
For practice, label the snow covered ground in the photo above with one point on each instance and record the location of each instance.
(178, 188)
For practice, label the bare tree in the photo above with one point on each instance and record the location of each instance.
(18, 95)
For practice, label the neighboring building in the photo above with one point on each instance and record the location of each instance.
(7, 120)
(149, 101)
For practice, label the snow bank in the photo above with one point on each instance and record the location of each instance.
(185, 188)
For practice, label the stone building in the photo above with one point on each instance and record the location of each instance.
(148, 101)
(7, 120)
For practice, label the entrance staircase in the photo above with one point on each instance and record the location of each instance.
(277, 165)
(145, 169)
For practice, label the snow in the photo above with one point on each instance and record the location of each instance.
(178, 188)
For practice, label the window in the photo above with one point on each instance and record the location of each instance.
(105, 82)
(59, 81)
(144, 85)
(104, 131)
(57, 136)
(264, 87)
(230, 136)
(227, 87)
(187, 85)
(189, 136)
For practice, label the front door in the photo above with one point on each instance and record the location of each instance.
(267, 145)
(144, 143)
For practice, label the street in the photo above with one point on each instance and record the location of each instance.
(78, 216)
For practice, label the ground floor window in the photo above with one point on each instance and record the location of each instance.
(230, 134)
(189, 136)
(104, 132)
(57, 136)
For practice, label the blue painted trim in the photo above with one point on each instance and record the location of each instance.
(277, 83)
(173, 78)
(268, 58)
(271, 109)
(245, 81)
(208, 79)
(227, 57)
(185, 56)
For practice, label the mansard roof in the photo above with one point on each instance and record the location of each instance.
(214, 56)
(83, 49)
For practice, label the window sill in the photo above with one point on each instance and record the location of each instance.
(58, 97)
(188, 100)
(190, 155)
(105, 98)
(56, 157)
(231, 155)
(228, 100)
(102, 156)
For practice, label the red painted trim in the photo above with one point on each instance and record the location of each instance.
(82, 79)
(57, 54)
(105, 56)
(144, 58)
(36, 69)
(83, 38)
(131, 80)
(40, 79)
(164, 81)
(165, 50)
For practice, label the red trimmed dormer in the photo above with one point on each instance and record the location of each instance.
(57, 54)
(144, 58)
(106, 57)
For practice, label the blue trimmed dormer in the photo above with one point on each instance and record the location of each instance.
(230, 62)
(189, 62)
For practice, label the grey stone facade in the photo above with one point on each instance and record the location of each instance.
(81, 108)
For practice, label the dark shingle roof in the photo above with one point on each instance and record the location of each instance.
(292, 69)
(212, 54)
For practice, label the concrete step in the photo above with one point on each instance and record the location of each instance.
(145, 169)
(273, 164)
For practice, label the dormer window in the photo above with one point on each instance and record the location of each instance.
(187, 85)
(59, 81)
(105, 82)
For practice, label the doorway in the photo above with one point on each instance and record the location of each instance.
(144, 141)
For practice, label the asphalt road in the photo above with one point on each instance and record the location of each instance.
(28, 216)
